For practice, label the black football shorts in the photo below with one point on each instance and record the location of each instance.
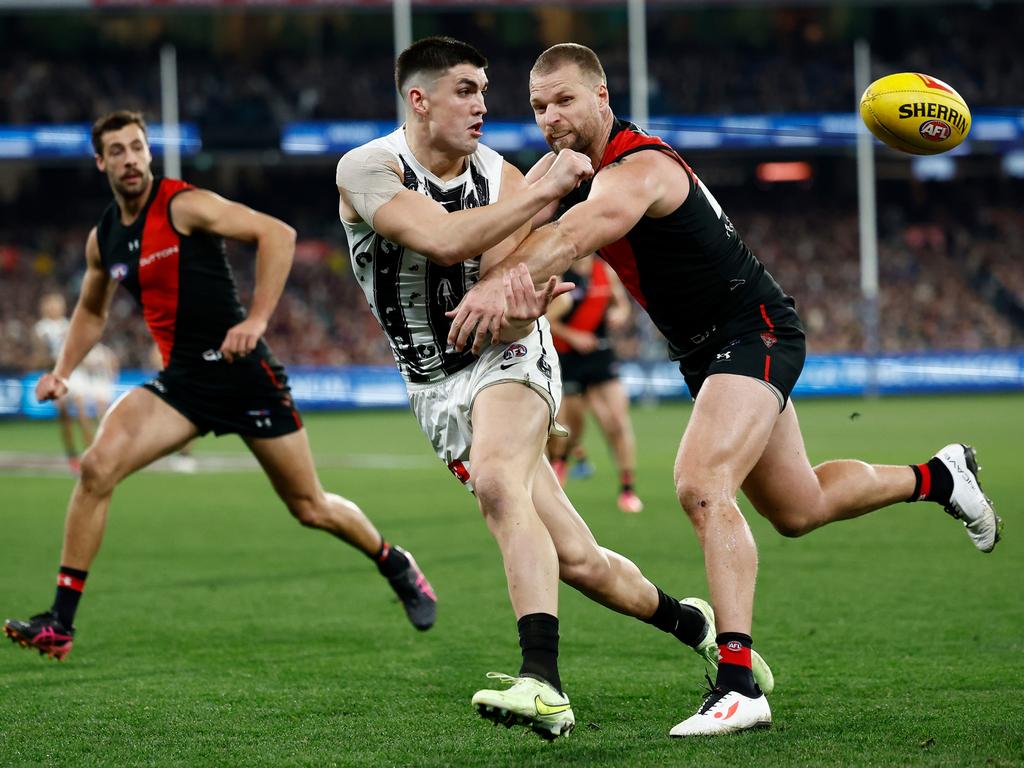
(249, 397)
(765, 342)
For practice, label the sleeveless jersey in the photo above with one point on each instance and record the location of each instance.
(690, 270)
(407, 292)
(591, 298)
(182, 282)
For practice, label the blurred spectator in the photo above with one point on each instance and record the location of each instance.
(929, 299)
(244, 75)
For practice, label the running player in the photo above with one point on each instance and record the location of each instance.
(580, 322)
(51, 330)
(427, 210)
(740, 347)
(163, 240)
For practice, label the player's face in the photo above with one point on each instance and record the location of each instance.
(52, 306)
(126, 160)
(454, 105)
(568, 107)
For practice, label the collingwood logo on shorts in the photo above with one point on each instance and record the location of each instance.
(544, 367)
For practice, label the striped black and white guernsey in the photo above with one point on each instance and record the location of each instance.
(407, 293)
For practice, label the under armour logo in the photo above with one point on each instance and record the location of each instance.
(723, 356)
(133, 245)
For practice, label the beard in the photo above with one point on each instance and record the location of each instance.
(580, 140)
(130, 192)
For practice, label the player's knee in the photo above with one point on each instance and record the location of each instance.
(791, 526)
(582, 567)
(306, 509)
(494, 492)
(700, 497)
(98, 471)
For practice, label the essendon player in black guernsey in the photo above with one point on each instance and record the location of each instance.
(740, 347)
(163, 240)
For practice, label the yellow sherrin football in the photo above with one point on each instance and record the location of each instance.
(915, 113)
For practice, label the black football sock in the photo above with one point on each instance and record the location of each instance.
(683, 621)
(538, 637)
(734, 672)
(390, 560)
(626, 480)
(70, 583)
(932, 482)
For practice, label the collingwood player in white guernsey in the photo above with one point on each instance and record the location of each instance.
(427, 211)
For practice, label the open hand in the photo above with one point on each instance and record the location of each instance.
(523, 301)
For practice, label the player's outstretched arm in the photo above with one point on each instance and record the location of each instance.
(523, 303)
(86, 326)
(199, 209)
(371, 189)
(621, 195)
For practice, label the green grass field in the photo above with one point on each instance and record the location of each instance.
(216, 631)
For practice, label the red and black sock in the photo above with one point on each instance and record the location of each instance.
(626, 480)
(683, 621)
(932, 482)
(390, 560)
(70, 583)
(734, 672)
(538, 637)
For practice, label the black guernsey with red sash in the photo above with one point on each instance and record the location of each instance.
(183, 283)
(719, 308)
(690, 270)
(187, 293)
(591, 298)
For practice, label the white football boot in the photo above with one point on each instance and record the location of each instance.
(968, 502)
(708, 647)
(528, 701)
(725, 713)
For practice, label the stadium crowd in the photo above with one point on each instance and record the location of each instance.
(933, 296)
(270, 69)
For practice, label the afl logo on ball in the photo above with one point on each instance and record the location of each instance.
(935, 130)
(119, 272)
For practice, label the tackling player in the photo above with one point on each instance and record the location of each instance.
(427, 210)
(740, 347)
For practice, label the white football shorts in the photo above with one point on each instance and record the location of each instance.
(444, 408)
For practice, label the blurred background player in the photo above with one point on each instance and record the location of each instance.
(580, 321)
(164, 241)
(91, 385)
(51, 330)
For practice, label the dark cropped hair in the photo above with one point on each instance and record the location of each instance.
(115, 121)
(435, 55)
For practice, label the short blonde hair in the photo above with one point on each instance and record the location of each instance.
(570, 53)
